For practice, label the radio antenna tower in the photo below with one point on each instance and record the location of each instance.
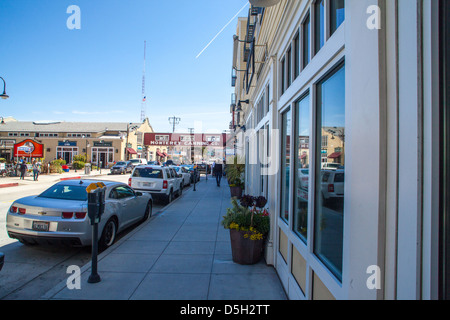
(144, 98)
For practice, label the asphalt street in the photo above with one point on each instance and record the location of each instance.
(30, 271)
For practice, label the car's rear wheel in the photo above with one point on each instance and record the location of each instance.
(169, 197)
(148, 211)
(108, 235)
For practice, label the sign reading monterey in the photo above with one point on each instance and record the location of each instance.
(185, 139)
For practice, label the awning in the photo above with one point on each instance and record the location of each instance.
(131, 151)
(334, 155)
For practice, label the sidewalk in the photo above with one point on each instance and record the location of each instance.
(182, 253)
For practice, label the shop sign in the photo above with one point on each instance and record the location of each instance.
(102, 144)
(67, 143)
(29, 148)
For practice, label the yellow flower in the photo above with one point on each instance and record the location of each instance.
(234, 225)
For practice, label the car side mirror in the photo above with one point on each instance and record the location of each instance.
(138, 194)
(180, 176)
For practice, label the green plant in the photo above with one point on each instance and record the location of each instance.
(79, 158)
(78, 165)
(235, 172)
(248, 216)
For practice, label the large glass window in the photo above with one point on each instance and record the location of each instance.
(302, 161)
(285, 164)
(305, 50)
(329, 175)
(337, 14)
(319, 25)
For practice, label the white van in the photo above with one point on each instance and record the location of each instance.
(137, 162)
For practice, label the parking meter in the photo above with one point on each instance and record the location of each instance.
(96, 208)
(96, 204)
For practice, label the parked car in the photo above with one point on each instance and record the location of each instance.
(160, 181)
(122, 167)
(332, 184)
(184, 174)
(331, 166)
(59, 214)
(190, 169)
(137, 162)
(204, 168)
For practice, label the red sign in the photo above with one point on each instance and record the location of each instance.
(29, 149)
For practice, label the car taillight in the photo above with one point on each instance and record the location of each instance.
(22, 210)
(14, 209)
(80, 215)
(129, 182)
(331, 188)
(67, 215)
(165, 184)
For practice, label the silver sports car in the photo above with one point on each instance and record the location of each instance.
(59, 214)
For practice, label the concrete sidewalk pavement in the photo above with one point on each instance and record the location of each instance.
(183, 253)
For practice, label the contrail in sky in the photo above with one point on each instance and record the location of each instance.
(221, 30)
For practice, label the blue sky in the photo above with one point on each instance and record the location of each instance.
(95, 73)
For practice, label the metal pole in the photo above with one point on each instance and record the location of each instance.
(94, 277)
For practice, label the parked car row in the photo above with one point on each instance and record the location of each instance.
(60, 213)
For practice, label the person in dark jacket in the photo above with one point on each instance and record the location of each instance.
(23, 170)
(218, 172)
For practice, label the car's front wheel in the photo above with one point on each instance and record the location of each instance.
(108, 235)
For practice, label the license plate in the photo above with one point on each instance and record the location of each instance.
(147, 184)
(40, 226)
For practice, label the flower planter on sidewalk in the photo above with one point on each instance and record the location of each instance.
(244, 250)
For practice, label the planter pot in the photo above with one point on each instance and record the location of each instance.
(244, 250)
(236, 192)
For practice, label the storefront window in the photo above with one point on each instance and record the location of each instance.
(306, 32)
(329, 175)
(337, 14)
(285, 164)
(319, 25)
(302, 161)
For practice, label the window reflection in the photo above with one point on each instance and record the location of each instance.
(330, 171)
(285, 164)
(302, 134)
(319, 25)
(306, 31)
(337, 14)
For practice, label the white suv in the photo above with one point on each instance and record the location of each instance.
(161, 182)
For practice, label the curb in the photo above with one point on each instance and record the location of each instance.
(7, 185)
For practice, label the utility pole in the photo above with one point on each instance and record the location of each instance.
(174, 121)
(191, 131)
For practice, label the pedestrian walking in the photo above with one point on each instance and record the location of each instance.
(218, 172)
(36, 170)
(23, 170)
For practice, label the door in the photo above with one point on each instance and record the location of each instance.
(130, 210)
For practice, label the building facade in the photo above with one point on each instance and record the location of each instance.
(345, 105)
(102, 143)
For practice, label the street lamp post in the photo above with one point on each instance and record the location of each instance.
(4, 96)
